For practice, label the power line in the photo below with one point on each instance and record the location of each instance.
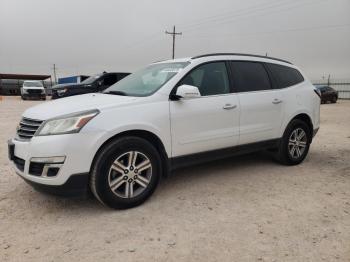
(235, 13)
(174, 34)
(277, 31)
(248, 12)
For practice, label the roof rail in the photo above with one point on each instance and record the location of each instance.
(238, 54)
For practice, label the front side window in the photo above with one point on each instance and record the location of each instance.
(210, 78)
(249, 76)
(146, 81)
(286, 76)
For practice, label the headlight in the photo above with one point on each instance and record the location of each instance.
(25, 91)
(61, 91)
(67, 124)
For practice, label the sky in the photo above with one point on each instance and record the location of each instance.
(90, 36)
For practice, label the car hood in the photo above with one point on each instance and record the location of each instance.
(33, 87)
(74, 104)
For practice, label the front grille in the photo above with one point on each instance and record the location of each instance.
(36, 169)
(19, 162)
(44, 170)
(27, 128)
(34, 91)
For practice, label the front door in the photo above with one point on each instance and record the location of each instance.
(209, 122)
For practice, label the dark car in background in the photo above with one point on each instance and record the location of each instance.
(93, 84)
(327, 94)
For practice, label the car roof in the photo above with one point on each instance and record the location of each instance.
(234, 56)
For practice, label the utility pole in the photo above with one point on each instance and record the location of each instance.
(54, 73)
(173, 33)
(329, 80)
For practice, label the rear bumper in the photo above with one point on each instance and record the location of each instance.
(75, 186)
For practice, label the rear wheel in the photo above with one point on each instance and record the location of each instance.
(295, 143)
(126, 172)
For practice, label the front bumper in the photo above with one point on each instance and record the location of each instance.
(77, 150)
(75, 186)
(34, 96)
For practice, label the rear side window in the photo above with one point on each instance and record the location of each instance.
(285, 76)
(249, 76)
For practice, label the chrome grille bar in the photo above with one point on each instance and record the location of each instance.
(27, 128)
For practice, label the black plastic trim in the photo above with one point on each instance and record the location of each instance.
(75, 186)
(239, 54)
(193, 159)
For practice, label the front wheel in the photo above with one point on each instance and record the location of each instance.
(295, 143)
(125, 173)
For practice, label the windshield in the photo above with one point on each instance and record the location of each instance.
(91, 79)
(146, 81)
(32, 84)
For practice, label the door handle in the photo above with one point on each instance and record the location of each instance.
(229, 106)
(276, 101)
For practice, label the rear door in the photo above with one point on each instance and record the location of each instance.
(208, 122)
(261, 106)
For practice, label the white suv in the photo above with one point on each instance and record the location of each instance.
(33, 89)
(169, 114)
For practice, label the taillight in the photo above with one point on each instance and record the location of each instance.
(318, 92)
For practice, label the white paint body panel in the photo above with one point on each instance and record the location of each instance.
(184, 127)
(202, 124)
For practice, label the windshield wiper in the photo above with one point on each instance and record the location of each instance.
(119, 93)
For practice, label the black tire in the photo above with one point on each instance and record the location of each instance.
(100, 172)
(283, 154)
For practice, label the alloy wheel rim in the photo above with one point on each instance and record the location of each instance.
(130, 174)
(297, 143)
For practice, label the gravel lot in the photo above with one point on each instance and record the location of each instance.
(241, 209)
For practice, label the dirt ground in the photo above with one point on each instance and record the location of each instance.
(245, 208)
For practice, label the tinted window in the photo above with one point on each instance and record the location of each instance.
(285, 76)
(109, 79)
(249, 76)
(211, 79)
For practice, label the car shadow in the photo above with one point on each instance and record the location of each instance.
(209, 172)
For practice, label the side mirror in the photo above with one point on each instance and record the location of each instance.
(187, 91)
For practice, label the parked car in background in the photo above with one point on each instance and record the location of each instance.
(93, 84)
(33, 89)
(170, 114)
(327, 93)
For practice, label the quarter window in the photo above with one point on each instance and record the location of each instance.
(285, 76)
(249, 76)
(211, 79)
